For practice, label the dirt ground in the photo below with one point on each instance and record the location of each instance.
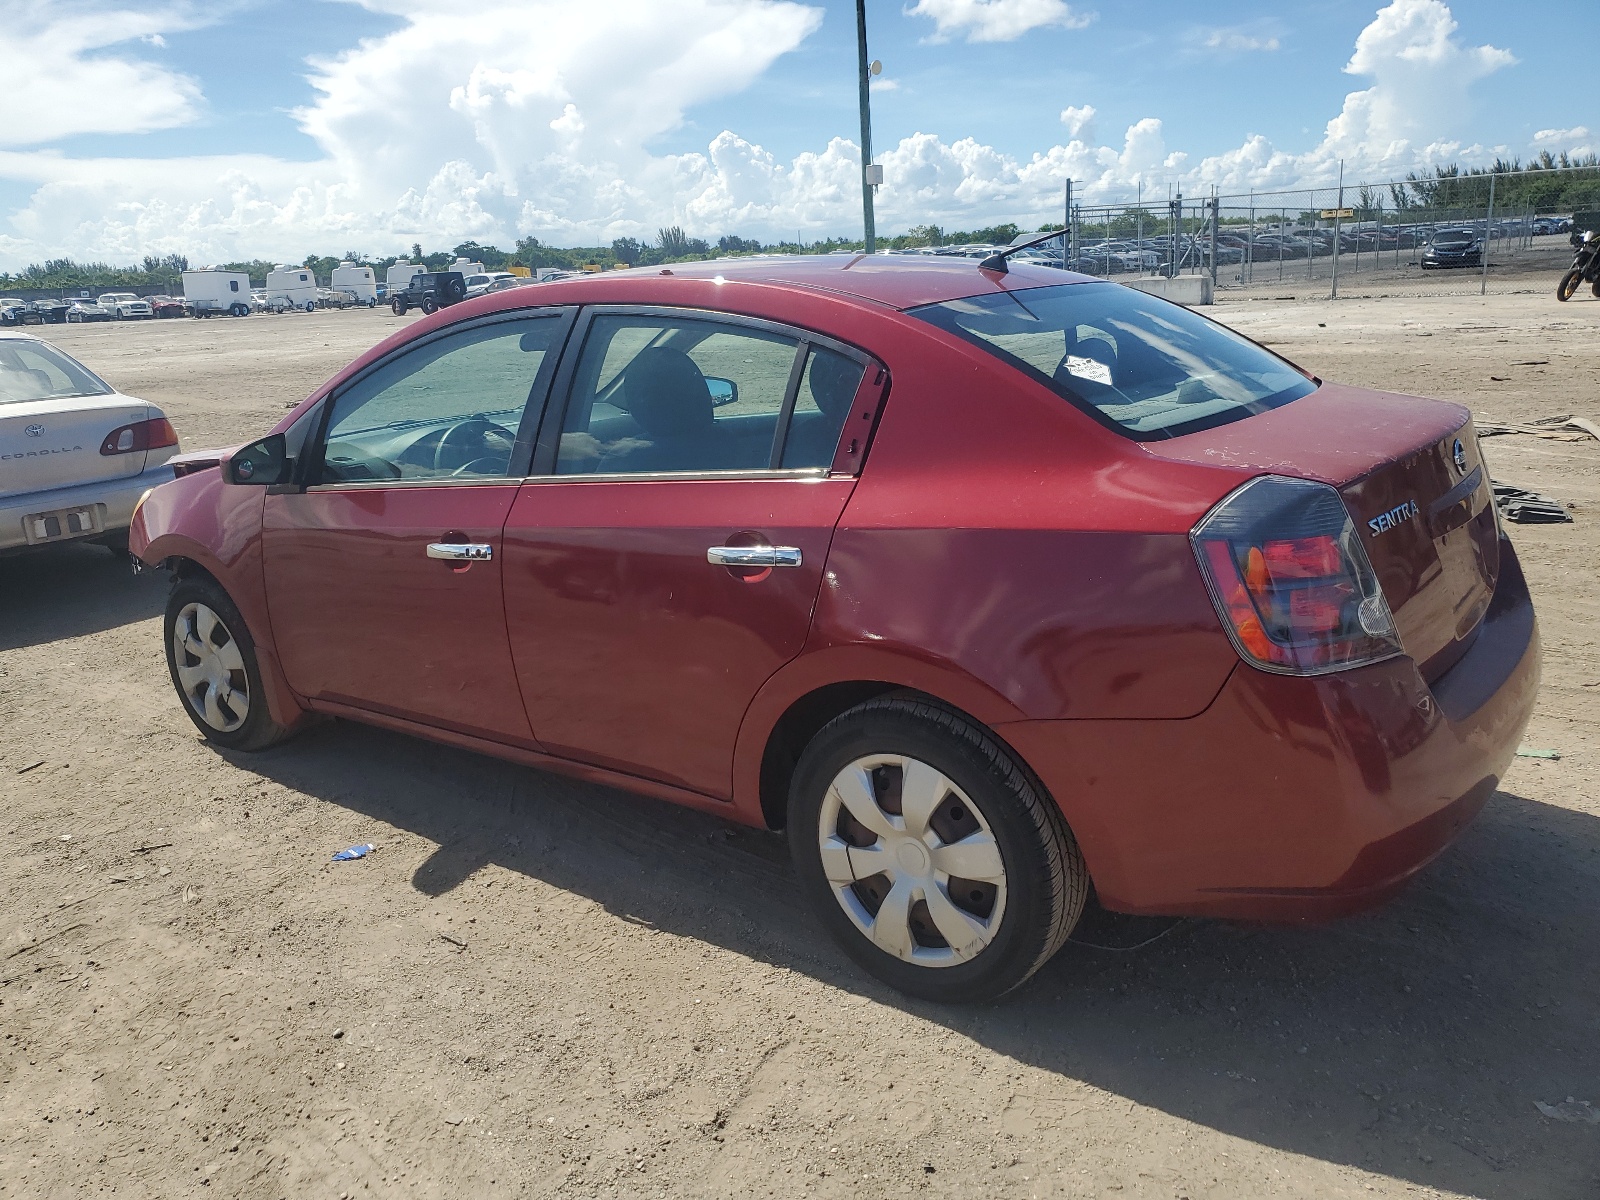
(540, 987)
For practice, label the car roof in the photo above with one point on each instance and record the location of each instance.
(899, 281)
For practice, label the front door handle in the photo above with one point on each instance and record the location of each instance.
(461, 551)
(754, 556)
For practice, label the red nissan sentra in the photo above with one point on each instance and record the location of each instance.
(990, 586)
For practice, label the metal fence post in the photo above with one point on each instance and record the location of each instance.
(1338, 212)
(1488, 237)
(1215, 217)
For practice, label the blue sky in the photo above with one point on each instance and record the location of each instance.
(578, 122)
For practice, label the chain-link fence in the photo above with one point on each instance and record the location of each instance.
(1456, 233)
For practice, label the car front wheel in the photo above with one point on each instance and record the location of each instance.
(929, 853)
(213, 665)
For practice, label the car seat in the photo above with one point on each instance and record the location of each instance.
(666, 394)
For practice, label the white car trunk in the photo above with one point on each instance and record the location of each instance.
(55, 443)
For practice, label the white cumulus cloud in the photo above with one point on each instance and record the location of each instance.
(70, 69)
(540, 117)
(1078, 119)
(997, 20)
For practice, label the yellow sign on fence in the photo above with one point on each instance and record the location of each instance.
(1329, 214)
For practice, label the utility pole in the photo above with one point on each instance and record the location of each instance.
(870, 174)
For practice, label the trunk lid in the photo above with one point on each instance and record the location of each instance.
(1423, 510)
(55, 443)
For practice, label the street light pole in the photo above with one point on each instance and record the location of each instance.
(866, 129)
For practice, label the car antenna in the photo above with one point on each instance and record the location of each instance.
(997, 260)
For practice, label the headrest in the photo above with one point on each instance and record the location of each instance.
(667, 394)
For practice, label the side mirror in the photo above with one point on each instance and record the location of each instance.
(263, 463)
(723, 391)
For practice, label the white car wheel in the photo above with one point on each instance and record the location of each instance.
(210, 668)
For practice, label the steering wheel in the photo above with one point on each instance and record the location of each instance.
(471, 438)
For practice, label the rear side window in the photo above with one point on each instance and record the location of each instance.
(676, 394)
(1142, 366)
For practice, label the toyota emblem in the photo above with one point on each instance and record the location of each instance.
(1459, 453)
(34, 431)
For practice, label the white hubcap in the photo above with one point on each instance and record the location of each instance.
(211, 671)
(911, 861)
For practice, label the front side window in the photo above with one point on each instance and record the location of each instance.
(449, 409)
(675, 394)
(1146, 368)
(32, 370)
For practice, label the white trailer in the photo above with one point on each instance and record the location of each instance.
(400, 276)
(211, 292)
(355, 281)
(465, 267)
(291, 287)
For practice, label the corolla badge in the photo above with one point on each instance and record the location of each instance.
(1459, 454)
(1398, 515)
(34, 430)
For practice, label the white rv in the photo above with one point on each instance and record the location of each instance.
(210, 292)
(291, 287)
(465, 267)
(400, 276)
(355, 281)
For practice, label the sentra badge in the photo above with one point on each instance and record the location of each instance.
(1398, 515)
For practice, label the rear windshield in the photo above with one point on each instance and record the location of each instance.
(31, 370)
(1142, 366)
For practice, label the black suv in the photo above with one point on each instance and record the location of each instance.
(430, 292)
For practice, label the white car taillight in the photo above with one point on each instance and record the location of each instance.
(1291, 580)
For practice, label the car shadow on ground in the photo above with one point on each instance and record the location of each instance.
(71, 589)
(1413, 1042)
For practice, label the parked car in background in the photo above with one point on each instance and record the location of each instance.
(125, 306)
(167, 307)
(478, 284)
(86, 309)
(991, 586)
(75, 454)
(51, 312)
(1453, 248)
(508, 282)
(430, 291)
(15, 311)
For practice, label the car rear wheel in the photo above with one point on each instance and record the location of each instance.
(213, 665)
(429, 305)
(930, 854)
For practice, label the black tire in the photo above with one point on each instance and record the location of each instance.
(1568, 286)
(1046, 883)
(257, 730)
(240, 310)
(1594, 288)
(429, 305)
(398, 306)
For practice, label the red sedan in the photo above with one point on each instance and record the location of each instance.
(989, 586)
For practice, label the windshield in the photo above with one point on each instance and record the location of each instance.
(31, 370)
(1454, 239)
(1141, 366)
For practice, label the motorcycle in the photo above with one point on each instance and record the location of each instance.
(1585, 268)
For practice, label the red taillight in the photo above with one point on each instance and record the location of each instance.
(1290, 579)
(141, 435)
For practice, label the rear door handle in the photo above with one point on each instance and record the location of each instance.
(754, 556)
(461, 551)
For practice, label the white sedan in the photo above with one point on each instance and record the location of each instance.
(75, 454)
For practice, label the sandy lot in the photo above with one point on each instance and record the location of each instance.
(539, 987)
